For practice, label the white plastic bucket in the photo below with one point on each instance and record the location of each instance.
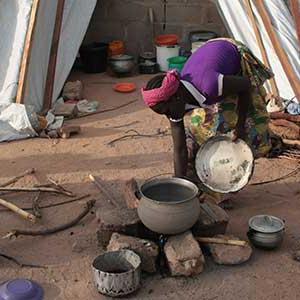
(165, 52)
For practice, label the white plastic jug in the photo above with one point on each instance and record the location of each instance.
(165, 52)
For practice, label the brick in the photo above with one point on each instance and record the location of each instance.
(116, 220)
(184, 255)
(65, 109)
(228, 254)
(147, 250)
(73, 90)
(213, 220)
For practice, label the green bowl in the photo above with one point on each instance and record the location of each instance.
(177, 62)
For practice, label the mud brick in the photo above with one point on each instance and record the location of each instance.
(213, 220)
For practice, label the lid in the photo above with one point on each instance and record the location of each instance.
(122, 57)
(202, 35)
(124, 87)
(21, 289)
(148, 55)
(166, 39)
(266, 223)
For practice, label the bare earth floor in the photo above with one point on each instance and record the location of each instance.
(268, 275)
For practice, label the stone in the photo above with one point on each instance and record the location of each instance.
(184, 256)
(213, 220)
(73, 90)
(121, 220)
(147, 250)
(65, 110)
(228, 254)
(66, 131)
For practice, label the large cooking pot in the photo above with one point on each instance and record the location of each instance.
(266, 231)
(169, 205)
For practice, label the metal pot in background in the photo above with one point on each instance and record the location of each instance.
(266, 231)
(169, 205)
(122, 64)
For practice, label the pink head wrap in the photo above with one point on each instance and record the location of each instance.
(168, 88)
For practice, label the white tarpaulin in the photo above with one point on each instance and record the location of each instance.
(237, 22)
(14, 17)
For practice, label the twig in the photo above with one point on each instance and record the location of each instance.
(15, 179)
(60, 187)
(18, 211)
(289, 158)
(19, 263)
(137, 135)
(277, 179)
(17, 232)
(125, 125)
(55, 204)
(106, 110)
(36, 205)
(221, 241)
(100, 186)
(36, 189)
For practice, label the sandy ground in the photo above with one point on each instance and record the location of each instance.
(268, 275)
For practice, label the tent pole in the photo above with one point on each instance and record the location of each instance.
(295, 8)
(48, 94)
(288, 69)
(27, 51)
(262, 48)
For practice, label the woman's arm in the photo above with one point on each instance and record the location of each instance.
(180, 149)
(241, 86)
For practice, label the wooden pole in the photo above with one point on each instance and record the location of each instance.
(260, 44)
(208, 240)
(53, 56)
(294, 81)
(27, 51)
(294, 4)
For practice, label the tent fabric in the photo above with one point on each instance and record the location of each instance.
(14, 17)
(236, 20)
(16, 119)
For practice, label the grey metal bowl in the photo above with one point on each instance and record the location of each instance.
(122, 64)
(117, 273)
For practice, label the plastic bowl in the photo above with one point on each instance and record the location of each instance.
(21, 289)
(177, 62)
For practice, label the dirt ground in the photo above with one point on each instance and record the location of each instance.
(68, 255)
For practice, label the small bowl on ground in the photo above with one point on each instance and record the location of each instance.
(21, 289)
(117, 273)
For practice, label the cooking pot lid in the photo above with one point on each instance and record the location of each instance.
(266, 223)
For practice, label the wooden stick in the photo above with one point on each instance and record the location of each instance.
(100, 185)
(16, 233)
(294, 5)
(289, 158)
(27, 52)
(18, 211)
(261, 45)
(35, 189)
(48, 95)
(208, 240)
(282, 56)
(291, 142)
(22, 265)
(15, 179)
(54, 204)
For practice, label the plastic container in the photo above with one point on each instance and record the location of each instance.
(21, 289)
(177, 62)
(94, 57)
(163, 53)
(198, 38)
(116, 48)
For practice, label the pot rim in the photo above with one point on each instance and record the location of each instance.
(266, 231)
(174, 179)
(133, 270)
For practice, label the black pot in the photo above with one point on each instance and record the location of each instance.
(148, 68)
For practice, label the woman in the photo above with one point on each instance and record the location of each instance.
(219, 90)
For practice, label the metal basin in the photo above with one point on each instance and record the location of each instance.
(169, 205)
(117, 273)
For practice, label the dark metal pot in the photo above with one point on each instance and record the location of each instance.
(266, 231)
(122, 64)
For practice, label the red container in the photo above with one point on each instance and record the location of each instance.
(166, 39)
